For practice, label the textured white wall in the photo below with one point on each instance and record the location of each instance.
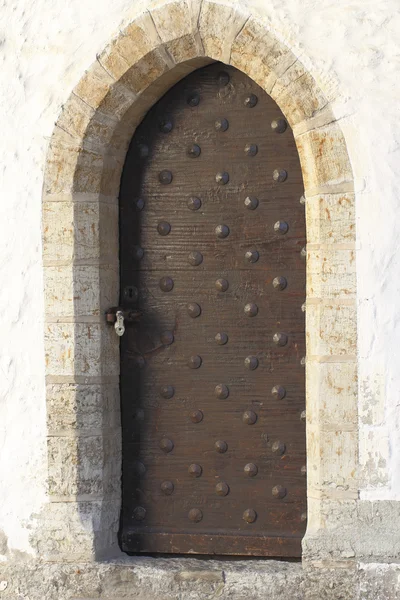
(352, 49)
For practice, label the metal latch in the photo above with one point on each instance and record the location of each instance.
(119, 316)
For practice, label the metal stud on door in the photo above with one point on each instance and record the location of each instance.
(212, 288)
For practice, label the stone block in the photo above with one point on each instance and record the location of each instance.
(298, 95)
(331, 219)
(216, 18)
(100, 91)
(324, 160)
(332, 393)
(256, 52)
(136, 41)
(331, 329)
(176, 24)
(81, 350)
(71, 531)
(79, 408)
(332, 458)
(80, 231)
(84, 465)
(80, 291)
(147, 70)
(75, 116)
(331, 273)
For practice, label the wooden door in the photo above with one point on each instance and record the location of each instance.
(212, 377)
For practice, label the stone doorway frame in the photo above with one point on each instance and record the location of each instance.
(80, 254)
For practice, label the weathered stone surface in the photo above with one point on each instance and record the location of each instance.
(80, 291)
(130, 46)
(214, 19)
(331, 273)
(80, 231)
(332, 393)
(81, 408)
(323, 159)
(84, 466)
(81, 350)
(331, 329)
(256, 52)
(147, 70)
(331, 219)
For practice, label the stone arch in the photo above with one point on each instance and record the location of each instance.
(80, 252)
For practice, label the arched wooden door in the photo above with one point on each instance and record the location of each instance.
(212, 377)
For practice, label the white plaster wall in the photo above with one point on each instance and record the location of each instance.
(352, 49)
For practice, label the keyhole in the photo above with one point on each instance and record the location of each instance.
(130, 293)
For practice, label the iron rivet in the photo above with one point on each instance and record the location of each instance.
(249, 515)
(196, 416)
(195, 470)
(167, 338)
(167, 391)
(278, 448)
(194, 310)
(167, 487)
(222, 178)
(281, 227)
(131, 293)
(251, 101)
(139, 513)
(195, 258)
(166, 284)
(194, 362)
(137, 252)
(251, 149)
(252, 256)
(166, 445)
(195, 515)
(303, 252)
(193, 99)
(139, 204)
(278, 392)
(222, 489)
(250, 470)
(251, 203)
(279, 491)
(251, 362)
(302, 200)
(223, 78)
(221, 285)
(251, 310)
(280, 339)
(194, 151)
(303, 416)
(279, 125)
(249, 417)
(222, 231)
(139, 468)
(221, 446)
(143, 150)
(279, 175)
(165, 177)
(221, 338)
(279, 283)
(221, 124)
(303, 361)
(166, 126)
(303, 517)
(221, 391)
(163, 228)
(194, 203)
(303, 470)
